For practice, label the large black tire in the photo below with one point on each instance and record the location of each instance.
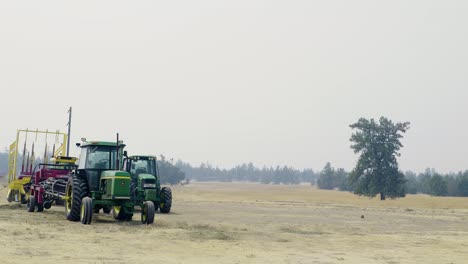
(47, 204)
(76, 190)
(31, 204)
(147, 213)
(166, 200)
(86, 212)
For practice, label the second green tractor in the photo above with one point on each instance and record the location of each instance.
(145, 184)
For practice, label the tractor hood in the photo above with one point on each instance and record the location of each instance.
(115, 173)
(144, 176)
(115, 185)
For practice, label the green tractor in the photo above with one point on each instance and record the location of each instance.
(98, 184)
(145, 178)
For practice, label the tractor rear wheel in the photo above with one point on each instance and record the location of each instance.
(147, 213)
(166, 200)
(31, 205)
(76, 189)
(86, 210)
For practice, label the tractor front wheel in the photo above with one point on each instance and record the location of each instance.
(76, 189)
(147, 213)
(166, 200)
(86, 210)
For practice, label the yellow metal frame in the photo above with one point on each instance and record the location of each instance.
(13, 153)
(12, 156)
(62, 160)
(15, 186)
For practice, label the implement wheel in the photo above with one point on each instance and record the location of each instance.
(40, 207)
(86, 211)
(147, 213)
(24, 199)
(31, 205)
(166, 200)
(75, 191)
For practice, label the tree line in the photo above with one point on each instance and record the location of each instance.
(329, 178)
(247, 172)
(433, 183)
(428, 182)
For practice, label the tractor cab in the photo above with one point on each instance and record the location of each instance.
(144, 172)
(96, 158)
(137, 165)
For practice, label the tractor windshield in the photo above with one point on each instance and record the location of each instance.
(99, 157)
(141, 166)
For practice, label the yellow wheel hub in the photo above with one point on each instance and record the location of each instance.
(82, 211)
(143, 212)
(69, 199)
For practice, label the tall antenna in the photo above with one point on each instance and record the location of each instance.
(69, 130)
(117, 165)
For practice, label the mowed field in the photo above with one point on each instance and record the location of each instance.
(248, 223)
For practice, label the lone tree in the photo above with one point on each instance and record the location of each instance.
(376, 171)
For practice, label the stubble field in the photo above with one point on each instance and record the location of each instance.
(248, 223)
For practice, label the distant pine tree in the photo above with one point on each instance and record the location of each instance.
(327, 177)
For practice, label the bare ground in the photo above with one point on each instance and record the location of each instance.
(248, 223)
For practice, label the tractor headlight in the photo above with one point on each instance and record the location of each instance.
(149, 185)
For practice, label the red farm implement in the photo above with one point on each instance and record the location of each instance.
(48, 183)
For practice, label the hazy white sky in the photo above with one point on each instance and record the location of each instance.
(273, 82)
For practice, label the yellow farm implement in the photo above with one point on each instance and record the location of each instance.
(17, 183)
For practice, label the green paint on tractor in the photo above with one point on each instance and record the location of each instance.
(146, 182)
(98, 183)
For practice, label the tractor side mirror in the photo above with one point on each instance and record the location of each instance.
(78, 144)
(125, 153)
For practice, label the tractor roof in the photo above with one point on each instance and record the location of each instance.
(142, 157)
(101, 143)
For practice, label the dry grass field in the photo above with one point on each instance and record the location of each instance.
(248, 223)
